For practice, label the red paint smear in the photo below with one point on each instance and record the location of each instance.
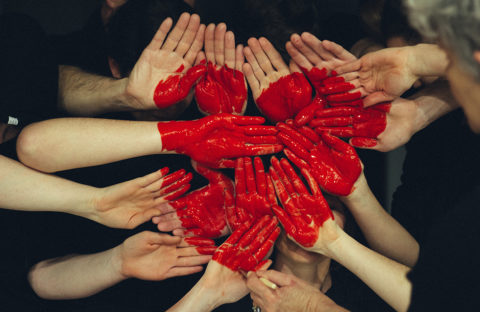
(284, 98)
(221, 90)
(176, 87)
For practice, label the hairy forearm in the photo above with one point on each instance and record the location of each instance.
(85, 94)
(75, 276)
(427, 60)
(433, 101)
(23, 188)
(384, 276)
(67, 143)
(382, 232)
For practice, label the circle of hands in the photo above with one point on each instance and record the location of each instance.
(317, 99)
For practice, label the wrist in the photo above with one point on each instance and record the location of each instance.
(200, 298)
(360, 190)
(116, 263)
(428, 60)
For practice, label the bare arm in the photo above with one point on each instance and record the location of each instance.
(382, 232)
(146, 255)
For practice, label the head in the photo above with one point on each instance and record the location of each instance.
(453, 24)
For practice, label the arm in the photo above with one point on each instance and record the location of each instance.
(162, 76)
(147, 255)
(66, 143)
(223, 282)
(124, 205)
(382, 232)
(291, 294)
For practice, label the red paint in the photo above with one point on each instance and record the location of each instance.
(177, 86)
(334, 163)
(304, 211)
(217, 140)
(367, 123)
(307, 113)
(202, 212)
(285, 97)
(221, 90)
(205, 246)
(255, 193)
(248, 245)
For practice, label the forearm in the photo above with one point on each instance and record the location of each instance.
(75, 276)
(382, 232)
(433, 101)
(85, 94)
(25, 189)
(197, 299)
(384, 276)
(427, 60)
(66, 143)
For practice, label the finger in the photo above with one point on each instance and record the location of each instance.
(167, 222)
(165, 208)
(344, 97)
(293, 177)
(174, 194)
(331, 122)
(175, 182)
(259, 130)
(230, 49)
(262, 149)
(312, 56)
(194, 53)
(200, 58)
(295, 146)
(188, 37)
(240, 182)
(343, 132)
(182, 271)
(152, 177)
(307, 113)
(349, 67)
(279, 278)
(295, 135)
(376, 98)
(258, 73)
(248, 237)
(219, 46)
(166, 180)
(293, 67)
(263, 246)
(285, 220)
(239, 58)
(300, 163)
(160, 35)
(196, 241)
(279, 187)
(179, 232)
(161, 238)
(272, 198)
(338, 51)
(298, 57)
(210, 43)
(274, 57)
(141, 217)
(264, 63)
(249, 176)
(312, 183)
(282, 176)
(189, 252)
(252, 80)
(366, 143)
(260, 176)
(177, 32)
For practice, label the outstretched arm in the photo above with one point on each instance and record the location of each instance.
(66, 143)
(162, 76)
(123, 205)
(147, 255)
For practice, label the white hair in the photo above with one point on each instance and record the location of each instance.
(454, 23)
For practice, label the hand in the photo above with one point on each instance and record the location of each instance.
(217, 140)
(155, 256)
(260, 197)
(129, 204)
(201, 212)
(163, 75)
(318, 60)
(334, 163)
(292, 294)
(382, 127)
(385, 74)
(304, 212)
(223, 89)
(248, 245)
(278, 92)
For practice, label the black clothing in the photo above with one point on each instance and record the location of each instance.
(447, 273)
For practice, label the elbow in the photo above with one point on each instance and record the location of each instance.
(38, 283)
(31, 150)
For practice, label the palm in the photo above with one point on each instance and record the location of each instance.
(231, 280)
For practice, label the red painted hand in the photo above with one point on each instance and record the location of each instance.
(164, 75)
(304, 212)
(205, 246)
(201, 212)
(246, 248)
(278, 92)
(363, 125)
(223, 89)
(334, 163)
(255, 193)
(217, 140)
